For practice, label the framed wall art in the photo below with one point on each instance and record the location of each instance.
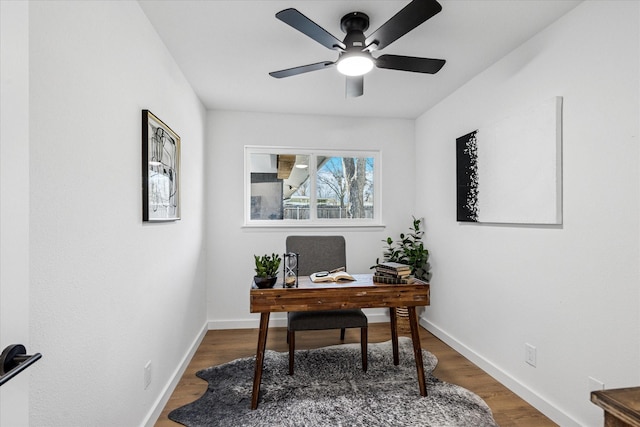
(510, 172)
(160, 170)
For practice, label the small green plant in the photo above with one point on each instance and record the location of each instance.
(267, 266)
(410, 250)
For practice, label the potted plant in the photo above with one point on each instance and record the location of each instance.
(410, 250)
(266, 270)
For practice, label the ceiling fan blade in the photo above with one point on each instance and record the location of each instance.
(355, 86)
(301, 69)
(306, 26)
(410, 63)
(412, 15)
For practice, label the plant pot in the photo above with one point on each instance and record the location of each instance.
(264, 282)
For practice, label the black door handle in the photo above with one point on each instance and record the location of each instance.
(13, 360)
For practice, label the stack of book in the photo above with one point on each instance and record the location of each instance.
(393, 273)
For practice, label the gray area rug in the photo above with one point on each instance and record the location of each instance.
(329, 388)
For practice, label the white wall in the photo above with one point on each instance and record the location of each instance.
(108, 293)
(572, 291)
(14, 202)
(231, 247)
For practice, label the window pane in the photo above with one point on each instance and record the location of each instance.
(279, 186)
(344, 187)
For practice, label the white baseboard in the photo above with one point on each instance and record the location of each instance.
(156, 409)
(531, 397)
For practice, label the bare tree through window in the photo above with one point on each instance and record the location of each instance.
(317, 185)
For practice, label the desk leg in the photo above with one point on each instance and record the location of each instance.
(262, 343)
(417, 349)
(394, 335)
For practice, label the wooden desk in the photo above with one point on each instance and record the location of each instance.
(621, 406)
(363, 293)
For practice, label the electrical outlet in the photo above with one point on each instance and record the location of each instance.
(530, 354)
(147, 374)
(595, 384)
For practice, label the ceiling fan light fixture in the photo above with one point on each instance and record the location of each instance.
(355, 64)
(355, 58)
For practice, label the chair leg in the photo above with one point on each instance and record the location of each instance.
(342, 334)
(291, 335)
(363, 346)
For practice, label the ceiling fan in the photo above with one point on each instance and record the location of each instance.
(354, 52)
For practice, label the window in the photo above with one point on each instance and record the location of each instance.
(296, 187)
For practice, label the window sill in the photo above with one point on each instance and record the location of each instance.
(316, 225)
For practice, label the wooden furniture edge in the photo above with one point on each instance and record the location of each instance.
(301, 299)
(614, 407)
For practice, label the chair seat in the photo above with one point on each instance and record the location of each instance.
(329, 319)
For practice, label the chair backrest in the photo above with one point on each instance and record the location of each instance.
(318, 253)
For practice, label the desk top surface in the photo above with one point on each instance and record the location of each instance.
(361, 293)
(362, 280)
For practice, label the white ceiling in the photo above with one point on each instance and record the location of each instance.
(227, 48)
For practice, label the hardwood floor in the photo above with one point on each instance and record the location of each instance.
(222, 346)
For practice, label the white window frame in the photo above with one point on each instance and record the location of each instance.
(313, 221)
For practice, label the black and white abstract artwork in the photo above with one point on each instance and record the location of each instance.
(511, 171)
(160, 170)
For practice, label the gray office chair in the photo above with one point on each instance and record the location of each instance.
(319, 253)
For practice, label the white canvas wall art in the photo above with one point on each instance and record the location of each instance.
(511, 171)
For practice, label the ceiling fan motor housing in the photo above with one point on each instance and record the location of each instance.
(354, 21)
(354, 24)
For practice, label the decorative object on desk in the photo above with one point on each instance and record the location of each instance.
(290, 274)
(160, 170)
(409, 250)
(329, 388)
(393, 273)
(511, 171)
(336, 275)
(266, 270)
